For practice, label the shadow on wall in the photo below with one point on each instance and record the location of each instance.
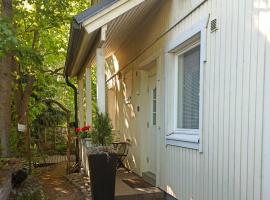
(120, 106)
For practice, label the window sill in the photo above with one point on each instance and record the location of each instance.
(190, 141)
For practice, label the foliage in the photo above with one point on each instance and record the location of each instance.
(61, 148)
(15, 142)
(50, 117)
(42, 29)
(38, 38)
(8, 40)
(84, 132)
(102, 129)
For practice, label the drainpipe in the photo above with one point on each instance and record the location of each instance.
(75, 110)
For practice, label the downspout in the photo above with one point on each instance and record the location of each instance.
(75, 98)
(75, 92)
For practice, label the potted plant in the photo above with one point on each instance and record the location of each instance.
(102, 159)
(84, 132)
(84, 135)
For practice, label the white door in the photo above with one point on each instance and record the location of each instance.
(152, 123)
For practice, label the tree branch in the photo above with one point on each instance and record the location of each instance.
(54, 72)
(35, 39)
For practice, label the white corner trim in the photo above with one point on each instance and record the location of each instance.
(266, 129)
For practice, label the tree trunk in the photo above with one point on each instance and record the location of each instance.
(6, 80)
(22, 104)
(24, 99)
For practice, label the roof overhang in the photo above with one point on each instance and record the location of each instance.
(86, 28)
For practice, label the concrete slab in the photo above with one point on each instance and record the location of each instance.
(125, 192)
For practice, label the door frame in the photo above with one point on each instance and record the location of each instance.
(157, 58)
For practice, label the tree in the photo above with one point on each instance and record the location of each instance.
(32, 57)
(7, 64)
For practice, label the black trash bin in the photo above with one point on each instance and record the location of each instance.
(102, 175)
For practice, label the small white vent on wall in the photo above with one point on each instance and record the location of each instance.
(214, 25)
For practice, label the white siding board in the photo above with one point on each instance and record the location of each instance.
(200, 157)
(245, 105)
(232, 57)
(238, 111)
(222, 8)
(206, 127)
(252, 102)
(215, 122)
(211, 113)
(259, 106)
(226, 132)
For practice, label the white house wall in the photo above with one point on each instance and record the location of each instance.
(229, 167)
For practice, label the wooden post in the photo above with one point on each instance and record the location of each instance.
(100, 79)
(28, 143)
(100, 60)
(80, 101)
(88, 96)
(68, 142)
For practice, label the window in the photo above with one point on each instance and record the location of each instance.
(154, 114)
(188, 89)
(188, 50)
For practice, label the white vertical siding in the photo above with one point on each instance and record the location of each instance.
(230, 166)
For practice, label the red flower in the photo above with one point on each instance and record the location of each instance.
(86, 128)
(78, 130)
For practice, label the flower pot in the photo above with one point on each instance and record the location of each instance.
(87, 142)
(102, 175)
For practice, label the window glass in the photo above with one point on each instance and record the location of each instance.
(154, 106)
(188, 89)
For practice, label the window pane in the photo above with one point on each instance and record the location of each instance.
(154, 106)
(155, 93)
(188, 89)
(154, 118)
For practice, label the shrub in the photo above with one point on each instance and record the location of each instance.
(102, 129)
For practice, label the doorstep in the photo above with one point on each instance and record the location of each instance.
(124, 192)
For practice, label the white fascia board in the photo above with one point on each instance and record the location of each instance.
(108, 14)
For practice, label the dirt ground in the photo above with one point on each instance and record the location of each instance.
(56, 186)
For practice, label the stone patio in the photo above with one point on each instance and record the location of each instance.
(122, 190)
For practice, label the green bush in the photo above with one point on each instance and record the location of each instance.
(102, 129)
(61, 148)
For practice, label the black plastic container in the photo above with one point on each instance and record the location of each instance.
(102, 175)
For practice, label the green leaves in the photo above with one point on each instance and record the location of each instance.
(29, 59)
(38, 37)
(8, 40)
(102, 129)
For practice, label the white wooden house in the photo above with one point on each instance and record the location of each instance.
(188, 82)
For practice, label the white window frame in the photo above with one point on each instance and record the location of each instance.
(188, 138)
